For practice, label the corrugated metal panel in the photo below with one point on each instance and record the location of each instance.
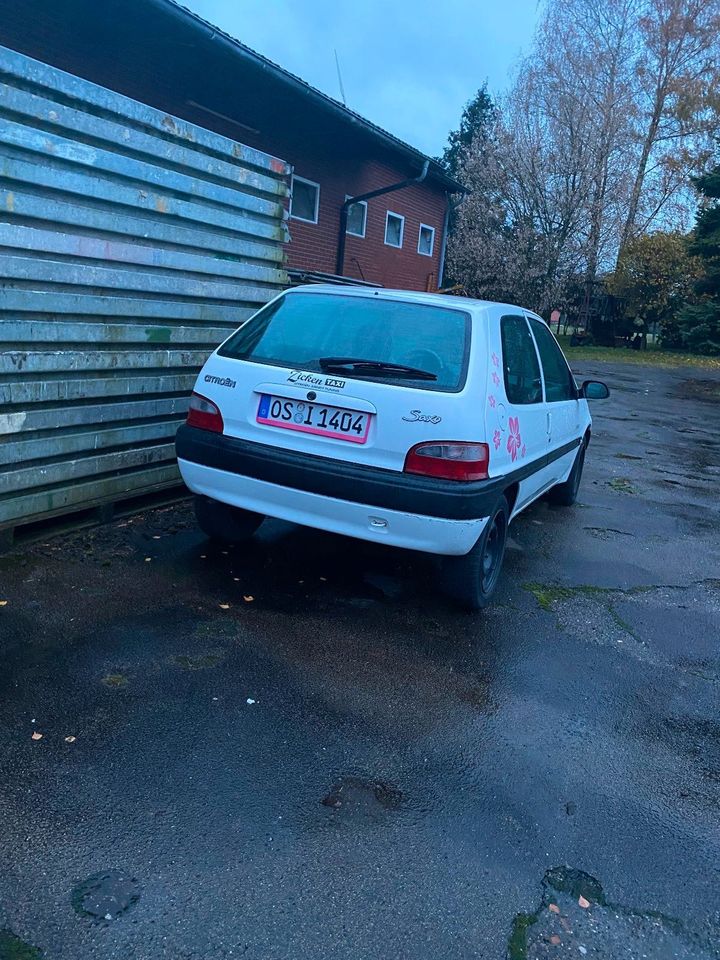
(131, 243)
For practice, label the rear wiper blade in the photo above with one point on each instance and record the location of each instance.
(358, 365)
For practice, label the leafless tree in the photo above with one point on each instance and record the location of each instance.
(676, 106)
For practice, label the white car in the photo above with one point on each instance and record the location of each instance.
(409, 419)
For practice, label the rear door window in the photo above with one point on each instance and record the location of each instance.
(298, 329)
(520, 363)
(559, 381)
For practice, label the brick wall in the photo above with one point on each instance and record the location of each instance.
(349, 168)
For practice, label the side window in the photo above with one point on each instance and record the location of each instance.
(520, 363)
(304, 199)
(559, 382)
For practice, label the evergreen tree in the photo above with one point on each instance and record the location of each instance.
(700, 322)
(477, 120)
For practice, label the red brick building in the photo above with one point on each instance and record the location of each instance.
(161, 54)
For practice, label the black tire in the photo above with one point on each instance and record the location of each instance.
(220, 521)
(565, 494)
(471, 580)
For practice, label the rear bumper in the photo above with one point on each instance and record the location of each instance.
(394, 528)
(351, 482)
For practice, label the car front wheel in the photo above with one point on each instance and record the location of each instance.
(220, 521)
(565, 494)
(471, 580)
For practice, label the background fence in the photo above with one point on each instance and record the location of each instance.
(131, 243)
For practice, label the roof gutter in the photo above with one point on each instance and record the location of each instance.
(340, 260)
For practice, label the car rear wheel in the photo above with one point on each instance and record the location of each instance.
(471, 580)
(565, 494)
(220, 521)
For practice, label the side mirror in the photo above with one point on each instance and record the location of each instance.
(594, 390)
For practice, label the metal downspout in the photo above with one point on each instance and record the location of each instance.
(450, 208)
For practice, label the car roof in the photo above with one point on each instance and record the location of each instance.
(410, 296)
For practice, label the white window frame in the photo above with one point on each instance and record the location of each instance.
(426, 226)
(310, 183)
(359, 203)
(401, 218)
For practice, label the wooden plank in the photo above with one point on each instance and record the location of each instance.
(88, 493)
(63, 391)
(128, 169)
(110, 250)
(113, 411)
(70, 331)
(151, 226)
(59, 179)
(79, 468)
(70, 362)
(68, 120)
(16, 301)
(115, 278)
(101, 438)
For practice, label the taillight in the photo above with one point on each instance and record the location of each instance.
(449, 460)
(205, 414)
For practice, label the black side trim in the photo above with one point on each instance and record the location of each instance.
(356, 483)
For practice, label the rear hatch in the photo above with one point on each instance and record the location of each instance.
(351, 375)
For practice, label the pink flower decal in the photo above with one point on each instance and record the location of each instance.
(495, 360)
(491, 401)
(522, 452)
(514, 441)
(496, 439)
(496, 379)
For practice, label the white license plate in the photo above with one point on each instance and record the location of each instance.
(317, 418)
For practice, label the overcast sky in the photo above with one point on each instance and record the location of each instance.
(408, 65)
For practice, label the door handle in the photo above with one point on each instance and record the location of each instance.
(548, 423)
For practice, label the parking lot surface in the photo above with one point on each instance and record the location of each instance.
(297, 749)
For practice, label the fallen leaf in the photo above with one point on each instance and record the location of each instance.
(3, 603)
(565, 924)
(248, 599)
(250, 701)
(156, 537)
(554, 908)
(148, 559)
(69, 739)
(555, 939)
(224, 606)
(583, 902)
(36, 735)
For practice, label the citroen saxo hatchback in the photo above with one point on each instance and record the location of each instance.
(415, 420)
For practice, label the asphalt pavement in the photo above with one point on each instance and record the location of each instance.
(297, 749)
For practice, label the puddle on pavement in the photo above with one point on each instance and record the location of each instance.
(575, 918)
(707, 390)
(360, 796)
(13, 948)
(106, 895)
(606, 533)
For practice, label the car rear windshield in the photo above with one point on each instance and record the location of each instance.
(298, 330)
